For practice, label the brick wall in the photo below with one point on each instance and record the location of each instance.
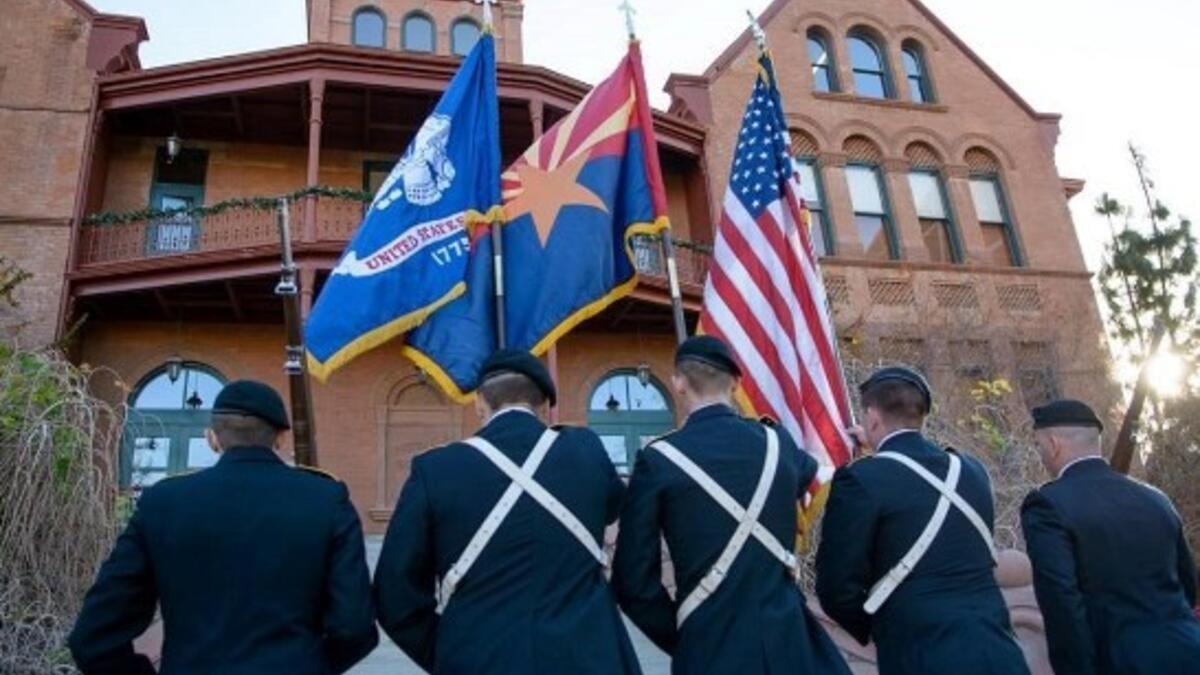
(45, 94)
(363, 434)
(330, 21)
(972, 110)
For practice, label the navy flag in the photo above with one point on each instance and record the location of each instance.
(573, 202)
(409, 256)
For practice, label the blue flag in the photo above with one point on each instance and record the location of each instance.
(409, 256)
(573, 202)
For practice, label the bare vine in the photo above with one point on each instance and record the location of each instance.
(58, 511)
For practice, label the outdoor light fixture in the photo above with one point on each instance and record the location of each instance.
(194, 401)
(174, 369)
(174, 146)
(612, 404)
(643, 373)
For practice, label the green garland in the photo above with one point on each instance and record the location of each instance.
(253, 203)
(269, 204)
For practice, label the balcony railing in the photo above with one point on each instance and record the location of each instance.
(246, 226)
(691, 259)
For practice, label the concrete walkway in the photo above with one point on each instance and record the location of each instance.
(388, 660)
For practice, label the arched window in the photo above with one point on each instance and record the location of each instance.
(823, 70)
(164, 434)
(628, 409)
(933, 208)
(869, 66)
(464, 33)
(369, 28)
(872, 217)
(418, 34)
(920, 89)
(991, 208)
(811, 189)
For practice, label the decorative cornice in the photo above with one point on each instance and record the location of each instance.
(355, 65)
(894, 103)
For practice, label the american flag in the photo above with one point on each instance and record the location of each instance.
(765, 296)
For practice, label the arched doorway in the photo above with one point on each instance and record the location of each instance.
(628, 408)
(412, 419)
(164, 434)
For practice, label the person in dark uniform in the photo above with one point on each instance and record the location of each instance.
(906, 555)
(258, 567)
(1113, 574)
(723, 492)
(493, 561)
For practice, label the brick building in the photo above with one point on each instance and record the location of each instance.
(944, 222)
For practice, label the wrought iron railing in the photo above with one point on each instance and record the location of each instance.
(691, 259)
(247, 224)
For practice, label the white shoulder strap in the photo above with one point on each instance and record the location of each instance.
(888, 584)
(522, 483)
(747, 518)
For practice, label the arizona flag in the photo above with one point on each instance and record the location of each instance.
(573, 202)
(410, 254)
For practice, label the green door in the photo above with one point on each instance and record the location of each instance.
(627, 412)
(164, 434)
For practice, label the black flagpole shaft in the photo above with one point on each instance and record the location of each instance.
(668, 246)
(498, 272)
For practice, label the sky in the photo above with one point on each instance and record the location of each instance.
(1117, 71)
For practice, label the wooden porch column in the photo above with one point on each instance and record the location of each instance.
(316, 98)
(308, 279)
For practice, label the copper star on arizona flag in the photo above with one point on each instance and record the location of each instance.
(545, 192)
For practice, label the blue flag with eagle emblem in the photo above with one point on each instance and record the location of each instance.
(409, 256)
(573, 201)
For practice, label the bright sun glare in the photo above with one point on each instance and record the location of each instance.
(1166, 372)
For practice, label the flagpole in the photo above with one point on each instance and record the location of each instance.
(760, 38)
(497, 238)
(668, 243)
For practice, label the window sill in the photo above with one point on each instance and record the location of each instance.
(880, 102)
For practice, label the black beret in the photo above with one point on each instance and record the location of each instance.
(710, 350)
(1065, 413)
(900, 374)
(521, 363)
(247, 397)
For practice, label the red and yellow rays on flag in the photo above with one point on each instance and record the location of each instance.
(545, 178)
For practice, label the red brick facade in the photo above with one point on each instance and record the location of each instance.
(86, 125)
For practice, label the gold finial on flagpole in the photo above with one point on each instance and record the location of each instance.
(756, 29)
(627, 8)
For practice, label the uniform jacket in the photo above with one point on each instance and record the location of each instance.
(258, 568)
(948, 616)
(535, 602)
(1113, 574)
(756, 623)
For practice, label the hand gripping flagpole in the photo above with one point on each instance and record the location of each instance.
(668, 244)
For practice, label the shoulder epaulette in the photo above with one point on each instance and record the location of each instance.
(319, 472)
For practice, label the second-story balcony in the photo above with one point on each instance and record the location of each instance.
(245, 230)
